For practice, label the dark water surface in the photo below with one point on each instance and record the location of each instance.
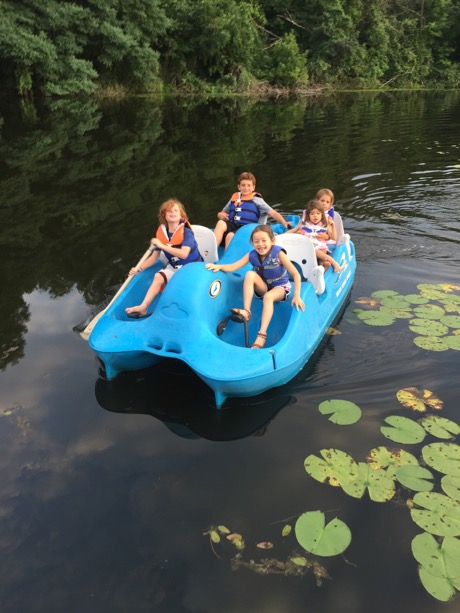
(106, 489)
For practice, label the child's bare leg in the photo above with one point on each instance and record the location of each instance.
(219, 231)
(228, 239)
(274, 295)
(324, 257)
(154, 289)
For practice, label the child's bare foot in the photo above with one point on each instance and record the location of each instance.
(337, 267)
(136, 311)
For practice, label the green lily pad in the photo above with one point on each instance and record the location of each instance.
(396, 302)
(343, 412)
(443, 457)
(449, 299)
(453, 321)
(384, 293)
(431, 343)
(397, 313)
(439, 569)
(451, 486)
(337, 468)
(451, 307)
(390, 460)
(415, 478)
(438, 514)
(416, 299)
(453, 342)
(376, 318)
(428, 327)
(380, 486)
(429, 311)
(403, 430)
(315, 536)
(440, 427)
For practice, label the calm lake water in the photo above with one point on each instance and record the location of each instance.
(106, 490)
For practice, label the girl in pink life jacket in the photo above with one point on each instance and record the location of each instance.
(245, 206)
(314, 225)
(176, 239)
(268, 279)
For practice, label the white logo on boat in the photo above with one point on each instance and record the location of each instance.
(214, 288)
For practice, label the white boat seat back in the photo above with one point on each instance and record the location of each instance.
(342, 237)
(207, 245)
(300, 251)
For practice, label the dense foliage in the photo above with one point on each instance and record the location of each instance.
(63, 47)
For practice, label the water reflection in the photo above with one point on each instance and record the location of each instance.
(172, 393)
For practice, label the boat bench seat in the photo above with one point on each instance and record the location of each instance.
(301, 252)
(342, 237)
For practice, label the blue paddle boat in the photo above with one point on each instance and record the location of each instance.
(191, 320)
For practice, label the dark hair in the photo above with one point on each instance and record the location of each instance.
(315, 204)
(263, 228)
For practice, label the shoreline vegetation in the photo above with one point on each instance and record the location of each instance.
(55, 49)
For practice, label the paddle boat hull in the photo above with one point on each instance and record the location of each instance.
(189, 321)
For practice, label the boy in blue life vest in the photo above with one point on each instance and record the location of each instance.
(245, 206)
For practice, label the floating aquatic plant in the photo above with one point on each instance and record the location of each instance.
(428, 327)
(342, 412)
(436, 513)
(403, 430)
(451, 486)
(390, 459)
(443, 457)
(415, 478)
(419, 400)
(439, 569)
(440, 427)
(317, 537)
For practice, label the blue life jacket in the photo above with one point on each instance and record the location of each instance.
(243, 209)
(271, 270)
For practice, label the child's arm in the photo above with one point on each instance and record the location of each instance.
(331, 230)
(292, 270)
(229, 267)
(278, 217)
(178, 252)
(294, 230)
(150, 261)
(223, 214)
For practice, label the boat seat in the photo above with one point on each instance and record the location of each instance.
(207, 245)
(301, 252)
(342, 237)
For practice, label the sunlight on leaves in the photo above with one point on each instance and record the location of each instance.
(419, 400)
(403, 430)
(315, 536)
(343, 412)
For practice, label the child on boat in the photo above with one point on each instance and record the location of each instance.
(326, 198)
(245, 206)
(269, 279)
(314, 225)
(176, 240)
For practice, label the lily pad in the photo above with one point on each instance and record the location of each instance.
(415, 478)
(416, 299)
(315, 536)
(376, 318)
(440, 427)
(380, 486)
(337, 468)
(403, 430)
(343, 412)
(438, 514)
(398, 313)
(390, 460)
(429, 311)
(452, 321)
(451, 307)
(453, 342)
(384, 293)
(439, 569)
(428, 327)
(451, 486)
(397, 302)
(431, 343)
(419, 400)
(443, 457)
